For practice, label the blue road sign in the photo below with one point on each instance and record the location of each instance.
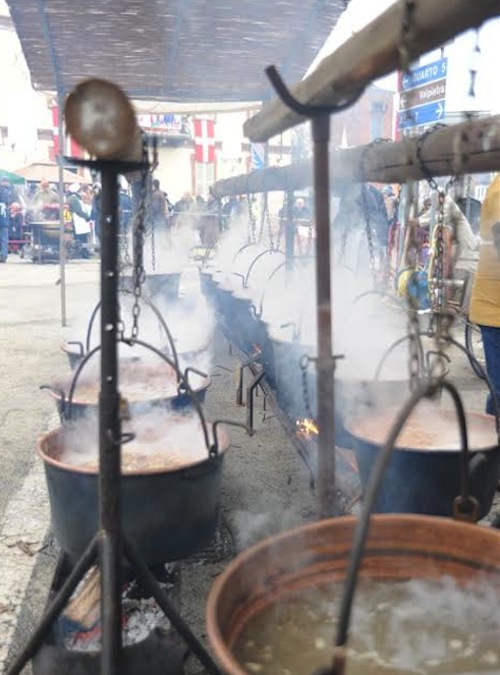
(258, 155)
(424, 114)
(436, 70)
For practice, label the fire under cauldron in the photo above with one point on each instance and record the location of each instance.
(397, 548)
(423, 473)
(168, 513)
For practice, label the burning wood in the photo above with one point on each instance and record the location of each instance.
(306, 428)
(81, 620)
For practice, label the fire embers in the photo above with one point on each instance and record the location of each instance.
(80, 625)
(306, 429)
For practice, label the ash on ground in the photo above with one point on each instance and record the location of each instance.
(139, 618)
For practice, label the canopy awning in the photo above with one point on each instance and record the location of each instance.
(12, 177)
(45, 171)
(172, 50)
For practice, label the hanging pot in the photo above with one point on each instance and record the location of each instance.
(78, 397)
(386, 548)
(167, 514)
(398, 548)
(423, 475)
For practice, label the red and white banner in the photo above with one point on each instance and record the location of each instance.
(204, 141)
(71, 148)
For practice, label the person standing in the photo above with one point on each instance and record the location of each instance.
(81, 217)
(5, 201)
(485, 299)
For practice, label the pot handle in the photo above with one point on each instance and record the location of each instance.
(269, 251)
(78, 344)
(62, 395)
(464, 506)
(188, 370)
(214, 448)
(153, 308)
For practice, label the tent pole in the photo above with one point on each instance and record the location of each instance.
(62, 243)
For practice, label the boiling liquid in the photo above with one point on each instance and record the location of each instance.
(397, 628)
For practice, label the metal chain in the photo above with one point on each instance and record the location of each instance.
(268, 223)
(283, 221)
(415, 342)
(139, 228)
(365, 204)
(153, 245)
(252, 221)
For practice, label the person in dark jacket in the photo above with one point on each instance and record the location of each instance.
(5, 202)
(81, 219)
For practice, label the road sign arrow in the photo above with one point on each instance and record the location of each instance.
(439, 111)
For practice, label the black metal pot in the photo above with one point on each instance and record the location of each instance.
(77, 409)
(167, 515)
(426, 481)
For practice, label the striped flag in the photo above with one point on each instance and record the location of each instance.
(71, 147)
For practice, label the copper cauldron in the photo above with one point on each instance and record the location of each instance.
(398, 547)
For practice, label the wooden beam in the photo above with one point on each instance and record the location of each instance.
(372, 53)
(471, 147)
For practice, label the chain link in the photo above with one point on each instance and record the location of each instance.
(269, 224)
(366, 206)
(252, 221)
(153, 245)
(139, 228)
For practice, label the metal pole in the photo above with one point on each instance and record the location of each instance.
(62, 242)
(54, 609)
(325, 363)
(110, 431)
(289, 231)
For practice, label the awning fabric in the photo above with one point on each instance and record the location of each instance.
(172, 50)
(13, 177)
(44, 171)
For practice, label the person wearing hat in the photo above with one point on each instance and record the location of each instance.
(81, 218)
(44, 196)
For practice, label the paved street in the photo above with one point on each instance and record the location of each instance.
(265, 486)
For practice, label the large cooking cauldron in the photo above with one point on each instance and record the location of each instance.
(422, 479)
(245, 302)
(397, 548)
(78, 396)
(295, 383)
(167, 514)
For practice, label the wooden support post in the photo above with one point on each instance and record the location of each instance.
(386, 162)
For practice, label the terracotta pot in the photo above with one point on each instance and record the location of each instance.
(398, 547)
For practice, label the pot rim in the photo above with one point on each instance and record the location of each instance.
(206, 382)
(431, 451)
(223, 653)
(43, 440)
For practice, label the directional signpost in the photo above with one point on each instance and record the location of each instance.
(422, 95)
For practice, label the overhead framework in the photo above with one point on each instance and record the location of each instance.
(172, 50)
(375, 51)
(471, 147)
